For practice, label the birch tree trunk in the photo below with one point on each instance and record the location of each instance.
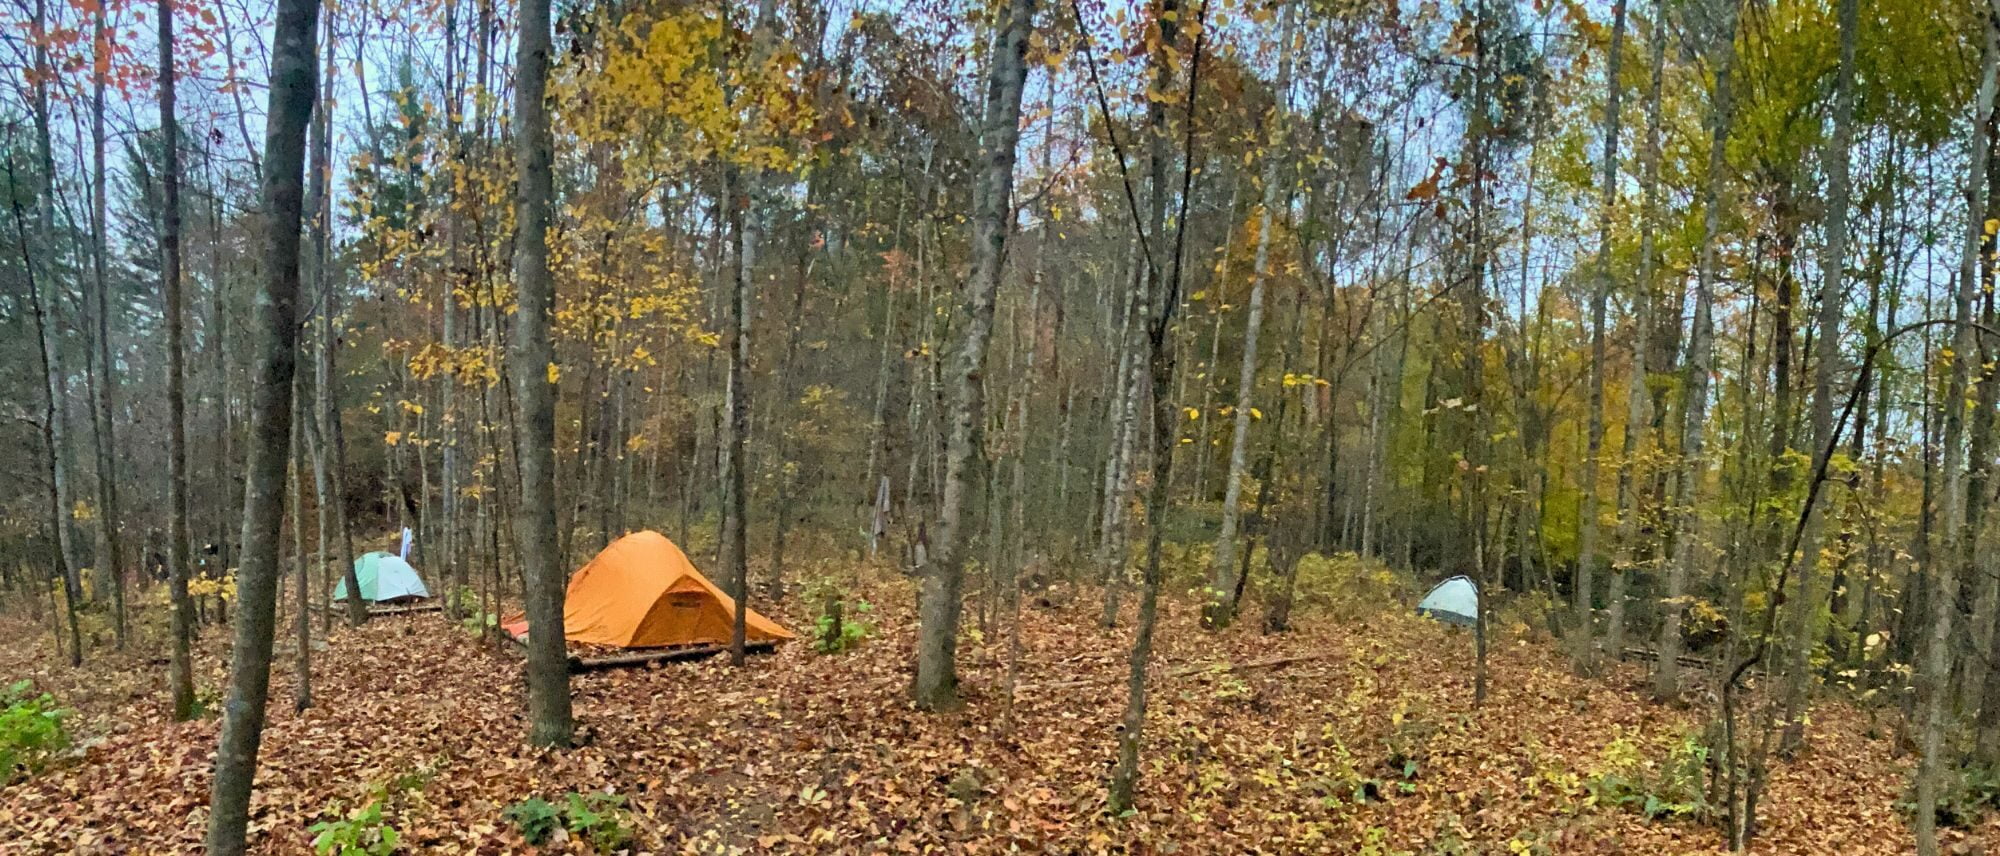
(745, 239)
(1221, 606)
(936, 682)
(294, 68)
(532, 366)
(1700, 362)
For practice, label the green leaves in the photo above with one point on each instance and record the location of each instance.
(536, 818)
(598, 817)
(31, 731)
(363, 833)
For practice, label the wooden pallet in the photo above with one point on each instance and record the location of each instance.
(405, 610)
(373, 611)
(580, 664)
(1649, 655)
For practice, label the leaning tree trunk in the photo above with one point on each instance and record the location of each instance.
(1700, 363)
(936, 683)
(52, 434)
(46, 297)
(294, 61)
(532, 364)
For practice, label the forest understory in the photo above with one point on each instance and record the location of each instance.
(1354, 733)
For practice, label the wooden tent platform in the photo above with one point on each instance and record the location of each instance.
(579, 664)
(398, 609)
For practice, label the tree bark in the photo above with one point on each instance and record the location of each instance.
(180, 668)
(532, 365)
(1833, 271)
(1700, 362)
(745, 240)
(1158, 316)
(1636, 399)
(1936, 664)
(296, 493)
(294, 67)
(936, 683)
(1587, 525)
(1221, 606)
(109, 516)
(46, 297)
(52, 434)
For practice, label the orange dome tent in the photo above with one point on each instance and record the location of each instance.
(642, 592)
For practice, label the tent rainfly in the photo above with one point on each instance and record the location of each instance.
(642, 592)
(1455, 600)
(384, 578)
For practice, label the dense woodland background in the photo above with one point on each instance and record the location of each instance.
(1671, 323)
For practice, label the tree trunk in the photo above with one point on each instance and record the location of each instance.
(1221, 607)
(1586, 555)
(109, 516)
(1643, 301)
(532, 364)
(52, 434)
(745, 237)
(181, 669)
(1123, 422)
(294, 61)
(936, 683)
(1832, 302)
(1700, 363)
(302, 677)
(1936, 664)
(45, 296)
(333, 442)
(1158, 316)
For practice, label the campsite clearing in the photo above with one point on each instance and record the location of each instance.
(1342, 735)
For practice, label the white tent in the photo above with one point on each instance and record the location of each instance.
(1455, 600)
(384, 578)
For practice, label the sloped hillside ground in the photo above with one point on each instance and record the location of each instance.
(1362, 737)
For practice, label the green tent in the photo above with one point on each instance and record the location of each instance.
(384, 577)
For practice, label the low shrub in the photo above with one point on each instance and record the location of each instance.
(536, 818)
(1666, 789)
(1964, 797)
(598, 818)
(1347, 586)
(359, 833)
(31, 731)
(837, 628)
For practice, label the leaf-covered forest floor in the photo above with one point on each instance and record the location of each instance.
(1368, 743)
